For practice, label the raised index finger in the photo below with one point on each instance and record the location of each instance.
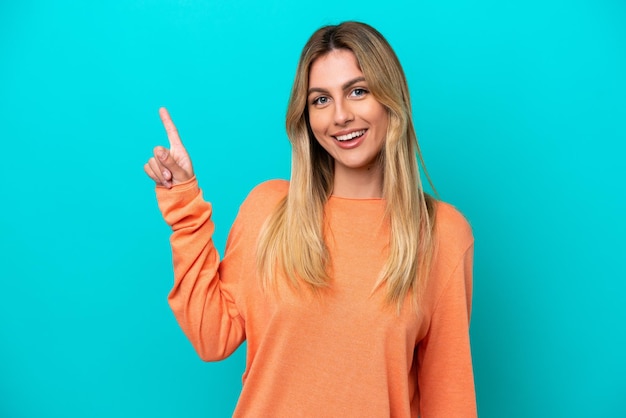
(170, 128)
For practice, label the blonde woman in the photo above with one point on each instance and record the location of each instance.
(351, 286)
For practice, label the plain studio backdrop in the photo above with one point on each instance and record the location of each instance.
(520, 112)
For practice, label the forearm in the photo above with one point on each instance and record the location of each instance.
(203, 307)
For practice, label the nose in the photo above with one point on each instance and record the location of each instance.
(343, 112)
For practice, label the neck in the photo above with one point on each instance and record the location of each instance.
(362, 183)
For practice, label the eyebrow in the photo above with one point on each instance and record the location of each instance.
(344, 86)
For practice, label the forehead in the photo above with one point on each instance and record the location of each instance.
(333, 69)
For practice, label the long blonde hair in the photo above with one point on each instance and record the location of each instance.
(292, 238)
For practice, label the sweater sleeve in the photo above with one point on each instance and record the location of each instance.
(202, 302)
(445, 377)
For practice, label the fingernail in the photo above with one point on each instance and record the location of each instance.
(162, 155)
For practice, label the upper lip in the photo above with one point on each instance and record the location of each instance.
(348, 131)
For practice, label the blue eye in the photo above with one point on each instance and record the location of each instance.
(359, 92)
(322, 100)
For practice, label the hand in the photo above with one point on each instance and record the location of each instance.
(169, 167)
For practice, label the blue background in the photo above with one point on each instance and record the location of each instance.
(520, 110)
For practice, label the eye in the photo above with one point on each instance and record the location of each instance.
(359, 92)
(320, 101)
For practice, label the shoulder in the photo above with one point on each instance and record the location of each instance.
(268, 193)
(453, 254)
(276, 187)
(453, 232)
(264, 198)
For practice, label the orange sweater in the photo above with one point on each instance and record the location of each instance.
(345, 354)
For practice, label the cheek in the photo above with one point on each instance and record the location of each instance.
(383, 117)
(317, 123)
(376, 114)
(380, 122)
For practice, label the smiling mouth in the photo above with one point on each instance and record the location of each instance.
(351, 135)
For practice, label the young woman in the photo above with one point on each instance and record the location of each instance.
(351, 286)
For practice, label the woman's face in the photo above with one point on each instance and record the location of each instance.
(346, 119)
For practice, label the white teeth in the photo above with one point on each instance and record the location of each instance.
(350, 136)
